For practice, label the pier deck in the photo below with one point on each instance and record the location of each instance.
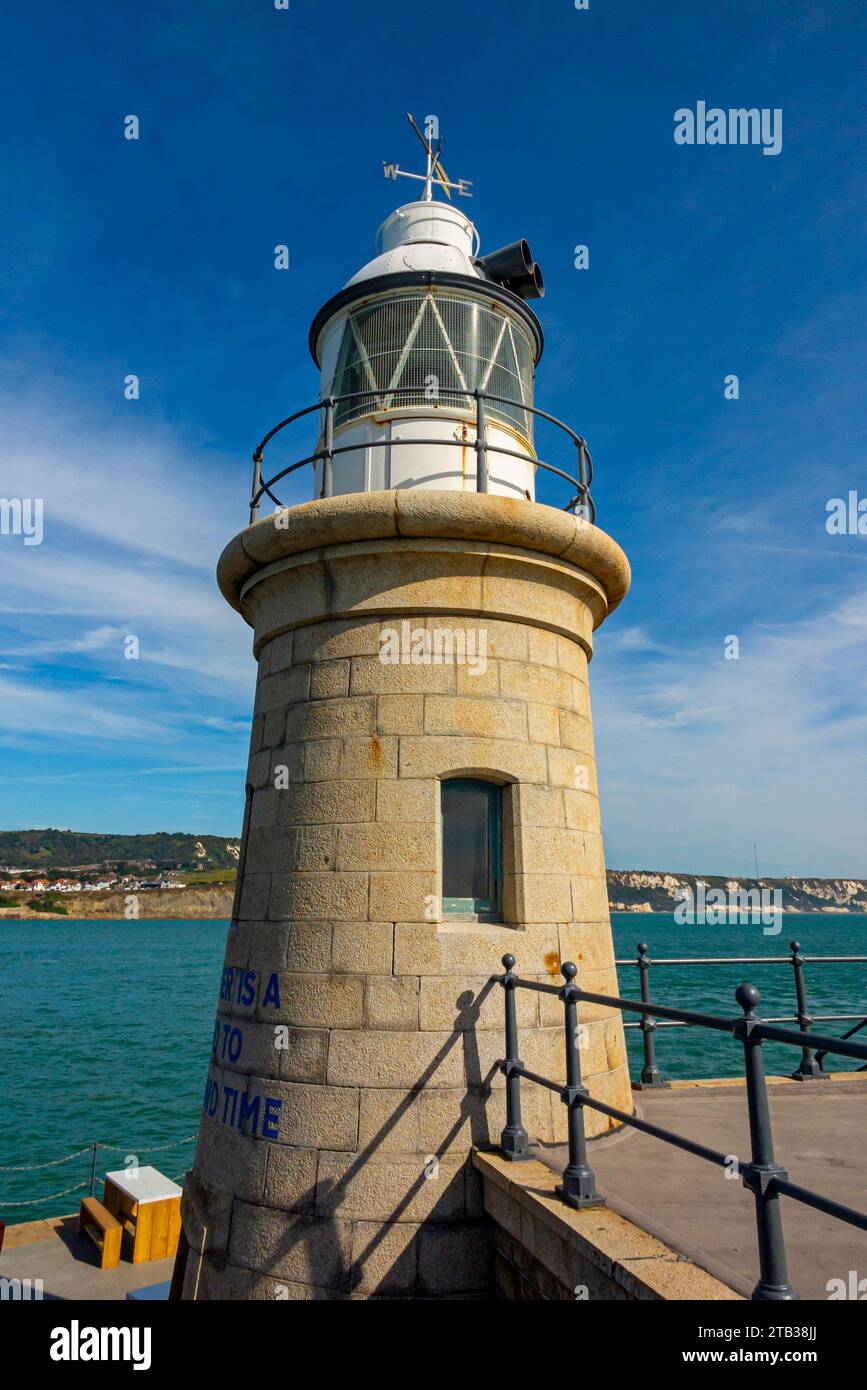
(819, 1128)
(819, 1134)
(68, 1263)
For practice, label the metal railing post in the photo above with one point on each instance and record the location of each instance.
(583, 487)
(328, 461)
(481, 443)
(579, 1180)
(384, 399)
(810, 1067)
(514, 1141)
(93, 1172)
(650, 1074)
(257, 483)
(760, 1173)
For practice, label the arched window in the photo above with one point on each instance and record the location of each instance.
(472, 848)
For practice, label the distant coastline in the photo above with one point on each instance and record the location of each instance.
(634, 891)
(49, 874)
(158, 905)
(639, 890)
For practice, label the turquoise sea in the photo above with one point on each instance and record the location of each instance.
(106, 1030)
(697, 1052)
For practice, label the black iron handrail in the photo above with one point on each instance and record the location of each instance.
(581, 503)
(810, 1067)
(762, 1176)
(862, 1023)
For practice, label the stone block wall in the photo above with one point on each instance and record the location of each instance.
(358, 1032)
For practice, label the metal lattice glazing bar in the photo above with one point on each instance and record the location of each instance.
(408, 341)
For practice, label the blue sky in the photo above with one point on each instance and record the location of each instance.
(260, 127)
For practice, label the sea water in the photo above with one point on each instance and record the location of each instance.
(107, 1028)
(697, 1052)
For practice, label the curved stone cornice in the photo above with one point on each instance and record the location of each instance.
(419, 514)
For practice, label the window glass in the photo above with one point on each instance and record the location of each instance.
(471, 830)
(402, 341)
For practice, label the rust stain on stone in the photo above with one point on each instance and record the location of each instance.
(376, 749)
(552, 963)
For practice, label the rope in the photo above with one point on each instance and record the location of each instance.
(89, 1149)
(155, 1148)
(34, 1201)
(52, 1162)
(113, 1148)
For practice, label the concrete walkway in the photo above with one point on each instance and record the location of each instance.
(68, 1264)
(820, 1136)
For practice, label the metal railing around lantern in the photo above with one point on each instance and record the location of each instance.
(762, 1175)
(811, 1066)
(580, 503)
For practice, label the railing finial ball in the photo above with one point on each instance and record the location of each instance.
(568, 970)
(795, 946)
(748, 997)
(508, 961)
(642, 946)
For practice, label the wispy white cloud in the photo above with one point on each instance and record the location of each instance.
(700, 756)
(36, 708)
(133, 531)
(94, 641)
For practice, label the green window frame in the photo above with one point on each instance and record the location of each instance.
(472, 848)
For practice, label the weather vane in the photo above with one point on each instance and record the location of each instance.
(435, 174)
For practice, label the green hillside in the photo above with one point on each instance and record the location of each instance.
(63, 849)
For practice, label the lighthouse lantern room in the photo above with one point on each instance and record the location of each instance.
(427, 359)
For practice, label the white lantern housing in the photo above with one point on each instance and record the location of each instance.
(406, 346)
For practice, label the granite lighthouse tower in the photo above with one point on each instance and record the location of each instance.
(421, 792)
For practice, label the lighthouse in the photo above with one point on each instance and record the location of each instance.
(421, 795)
